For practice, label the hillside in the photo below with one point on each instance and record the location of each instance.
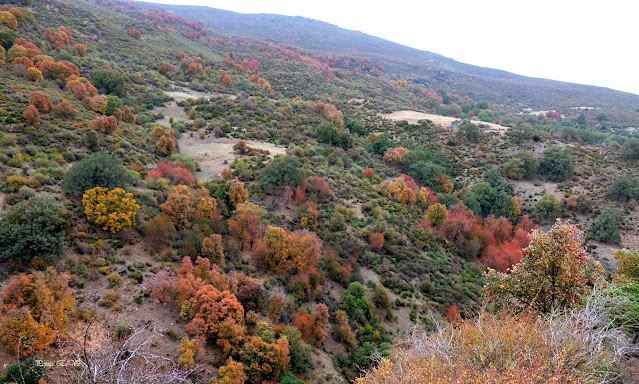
(513, 92)
(178, 205)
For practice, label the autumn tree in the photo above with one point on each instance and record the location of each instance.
(241, 147)
(187, 353)
(376, 240)
(225, 79)
(164, 67)
(276, 305)
(178, 206)
(159, 232)
(231, 373)
(61, 38)
(41, 101)
(368, 173)
(264, 361)
(80, 49)
(309, 216)
(31, 114)
(34, 74)
(164, 141)
(125, 114)
(555, 272)
(217, 316)
(36, 310)
(105, 124)
(212, 249)
(8, 20)
(437, 214)
(98, 103)
(246, 223)
(288, 252)
(65, 109)
(238, 194)
(112, 209)
(135, 33)
(320, 322)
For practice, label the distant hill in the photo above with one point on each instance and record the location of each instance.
(422, 67)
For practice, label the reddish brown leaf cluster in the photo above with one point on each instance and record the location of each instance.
(62, 38)
(329, 111)
(41, 101)
(105, 124)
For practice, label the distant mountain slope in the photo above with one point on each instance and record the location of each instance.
(425, 68)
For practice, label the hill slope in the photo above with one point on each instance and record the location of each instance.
(426, 68)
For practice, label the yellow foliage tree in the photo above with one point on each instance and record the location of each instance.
(113, 209)
(436, 214)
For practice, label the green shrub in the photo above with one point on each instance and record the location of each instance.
(282, 171)
(28, 372)
(35, 227)
(606, 225)
(556, 163)
(547, 208)
(97, 170)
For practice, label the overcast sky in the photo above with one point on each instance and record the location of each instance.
(588, 42)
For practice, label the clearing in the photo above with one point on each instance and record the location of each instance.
(413, 117)
(215, 153)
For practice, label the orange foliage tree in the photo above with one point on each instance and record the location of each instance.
(41, 101)
(36, 311)
(217, 316)
(246, 223)
(105, 124)
(31, 114)
(320, 322)
(135, 33)
(178, 206)
(238, 194)
(80, 49)
(288, 252)
(65, 109)
(225, 79)
(164, 141)
(113, 209)
(263, 361)
(61, 39)
(164, 67)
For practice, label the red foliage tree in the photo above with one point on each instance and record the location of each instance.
(253, 66)
(368, 173)
(377, 240)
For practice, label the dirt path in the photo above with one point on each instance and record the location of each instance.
(413, 117)
(216, 153)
